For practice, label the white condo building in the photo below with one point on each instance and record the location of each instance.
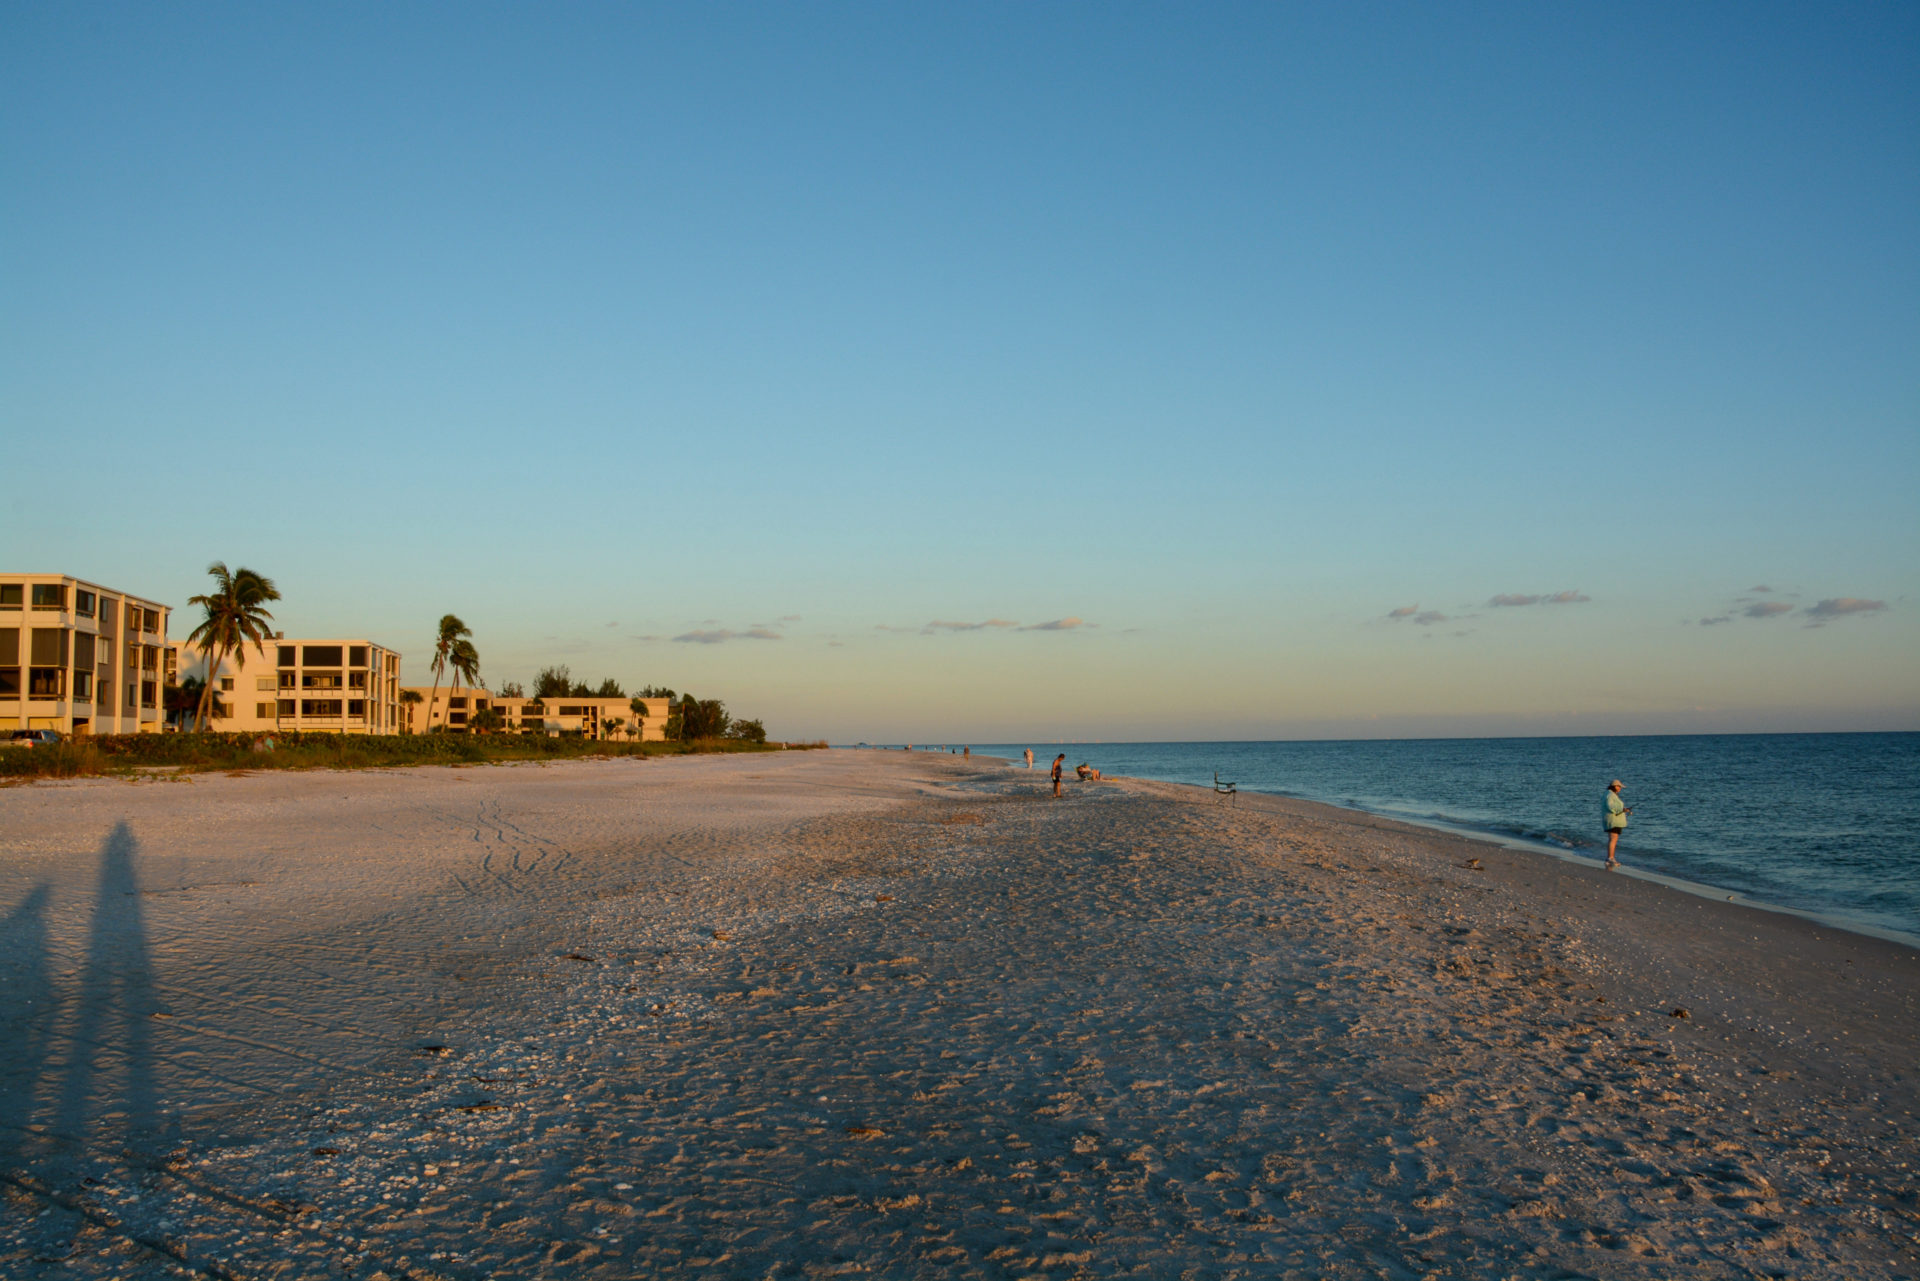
(80, 658)
(338, 685)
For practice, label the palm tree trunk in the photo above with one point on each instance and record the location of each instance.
(206, 694)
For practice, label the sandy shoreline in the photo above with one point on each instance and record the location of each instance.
(892, 1014)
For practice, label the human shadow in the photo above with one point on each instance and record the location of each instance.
(26, 1017)
(106, 1084)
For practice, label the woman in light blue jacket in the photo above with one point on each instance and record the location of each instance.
(1614, 815)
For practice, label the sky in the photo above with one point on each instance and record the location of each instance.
(997, 371)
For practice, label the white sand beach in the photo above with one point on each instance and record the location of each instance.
(888, 1014)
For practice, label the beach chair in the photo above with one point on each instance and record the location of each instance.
(1226, 789)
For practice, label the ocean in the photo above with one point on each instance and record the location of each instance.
(1827, 824)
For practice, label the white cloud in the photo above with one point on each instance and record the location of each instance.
(1841, 606)
(1514, 598)
(1767, 609)
(1058, 625)
(1568, 598)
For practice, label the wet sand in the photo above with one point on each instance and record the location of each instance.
(844, 1013)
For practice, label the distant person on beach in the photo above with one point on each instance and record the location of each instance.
(967, 752)
(1029, 758)
(1058, 762)
(1615, 816)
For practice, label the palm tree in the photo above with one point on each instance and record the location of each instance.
(639, 706)
(236, 614)
(410, 697)
(611, 726)
(464, 659)
(451, 632)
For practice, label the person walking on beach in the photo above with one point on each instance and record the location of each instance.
(1058, 761)
(1614, 814)
(1029, 758)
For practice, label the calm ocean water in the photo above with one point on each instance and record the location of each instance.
(1826, 823)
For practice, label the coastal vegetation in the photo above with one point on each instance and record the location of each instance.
(127, 754)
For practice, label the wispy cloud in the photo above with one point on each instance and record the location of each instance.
(1414, 614)
(1057, 625)
(948, 625)
(1768, 609)
(1532, 598)
(1762, 588)
(718, 636)
(1841, 606)
(1405, 611)
(1716, 620)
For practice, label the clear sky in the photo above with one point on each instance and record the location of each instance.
(998, 371)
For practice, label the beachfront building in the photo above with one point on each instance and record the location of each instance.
(445, 710)
(328, 685)
(592, 717)
(78, 657)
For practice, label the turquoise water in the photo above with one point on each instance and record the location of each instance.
(1826, 823)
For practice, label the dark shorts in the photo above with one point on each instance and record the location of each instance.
(1612, 831)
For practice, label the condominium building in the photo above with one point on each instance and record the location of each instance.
(442, 708)
(595, 717)
(78, 657)
(310, 684)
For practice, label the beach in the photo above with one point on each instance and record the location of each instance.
(894, 1014)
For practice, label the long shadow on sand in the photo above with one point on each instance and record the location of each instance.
(84, 1055)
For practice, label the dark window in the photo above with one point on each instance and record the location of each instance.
(106, 614)
(149, 694)
(49, 595)
(83, 685)
(9, 682)
(221, 711)
(263, 711)
(286, 680)
(286, 707)
(103, 695)
(9, 646)
(150, 620)
(46, 682)
(49, 647)
(356, 680)
(286, 656)
(82, 649)
(356, 707)
(320, 655)
(9, 596)
(320, 680)
(573, 711)
(456, 718)
(534, 722)
(357, 656)
(456, 702)
(83, 602)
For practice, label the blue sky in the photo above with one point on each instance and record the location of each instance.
(1227, 332)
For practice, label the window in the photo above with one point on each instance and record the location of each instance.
(106, 614)
(149, 694)
(221, 711)
(46, 682)
(83, 602)
(226, 684)
(9, 596)
(150, 657)
(320, 680)
(456, 718)
(357, 707)
(320, 707)
(356, 680)
(534, 722)
(49, 647)
(479, 704)
(103, 651)
(9, 682)
(9, 646)
(573, 711)
(456, 702)
(266, 684)
(103, 695)
(286, 656)
(320, 655)
(49, 595)
(286, 707)
(133, 697)
(83, 685)
(263, 711)
(357, 656)
(286, 680)
(149, 620)
(82, 649)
